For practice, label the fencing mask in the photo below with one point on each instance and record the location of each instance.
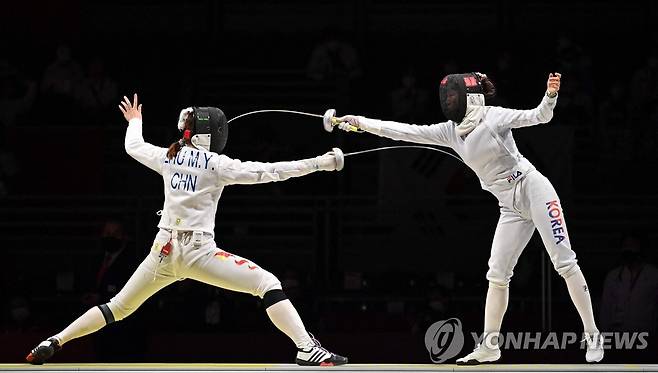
(453, 94)
(209, 128)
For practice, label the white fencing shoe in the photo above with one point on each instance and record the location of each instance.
(480, 355)
(594, 347)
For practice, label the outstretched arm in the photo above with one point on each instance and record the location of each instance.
(147, 154)
(510, 118)
(234, 171)
(435, 134)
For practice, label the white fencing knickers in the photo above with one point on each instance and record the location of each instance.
(200, 260)
(535, 204)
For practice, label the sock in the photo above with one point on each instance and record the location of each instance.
(89, 322)
(494, 310)
(579, 293)
(285, 317)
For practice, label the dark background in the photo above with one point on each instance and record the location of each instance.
(371, 256)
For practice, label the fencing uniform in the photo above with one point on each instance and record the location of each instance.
(527, 198)
(193, 183)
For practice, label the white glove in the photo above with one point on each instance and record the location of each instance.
(331, 161)
(352, 120)
(327, 162)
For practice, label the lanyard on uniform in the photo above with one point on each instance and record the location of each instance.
(164, 252)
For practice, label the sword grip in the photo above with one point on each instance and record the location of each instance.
(344, 126)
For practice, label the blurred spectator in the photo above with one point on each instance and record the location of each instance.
(450, 66)
(291, 284)
(614, 108)
(353, 280)
(568, 54)
(20, 314)
(613, 135)
(408, 101)
(16, 94)
(436, 307)
(573, 61)
(630, 291)
(213, 311)
(116, 263)
(97, 92)
(648, 140)
(643, 116)
(335, 61)
(503, 76)
(16, 97)
(60, 80)
(644, 84)
(62, 75)
(584, 70)
(576, 108)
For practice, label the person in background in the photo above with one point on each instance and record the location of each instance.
(629, 302)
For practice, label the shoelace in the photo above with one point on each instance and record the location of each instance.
(315, 341)
(318, 345)
(54, 343)
(593, 341)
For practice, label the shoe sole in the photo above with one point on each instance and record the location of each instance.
(475, 362)
(38, 359)
(322, 364)
(594, 361)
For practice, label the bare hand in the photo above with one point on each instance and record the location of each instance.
(553, 84)
(131, 111)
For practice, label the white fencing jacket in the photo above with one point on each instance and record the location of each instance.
(194, 179)
(489, 149)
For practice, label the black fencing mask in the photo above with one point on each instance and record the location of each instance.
(209, 128)
(453, 91)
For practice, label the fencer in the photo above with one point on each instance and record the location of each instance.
(482, 136)
(195, 172)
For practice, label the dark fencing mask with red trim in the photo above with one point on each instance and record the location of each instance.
(209, 128)
(453, 91)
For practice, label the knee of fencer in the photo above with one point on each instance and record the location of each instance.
(119, 310)
(498, 279)
(499, 284)
(568, 270)
(268, 282)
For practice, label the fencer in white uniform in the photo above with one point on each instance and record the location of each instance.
(194, 174)
(482, 136)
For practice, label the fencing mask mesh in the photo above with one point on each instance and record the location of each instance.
(452, 94)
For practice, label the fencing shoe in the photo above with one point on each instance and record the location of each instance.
(318, 356)
(480, 355)
(594, 347)
(44, 351)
